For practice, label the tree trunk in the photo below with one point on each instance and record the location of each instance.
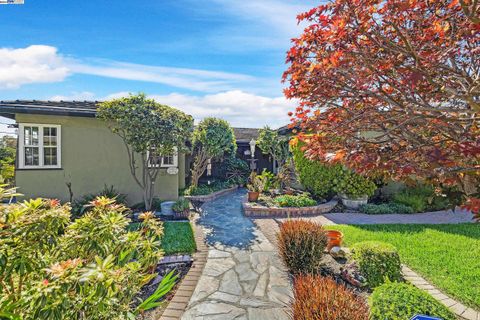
(199, 166)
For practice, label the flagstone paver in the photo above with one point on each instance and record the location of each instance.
(242, 284)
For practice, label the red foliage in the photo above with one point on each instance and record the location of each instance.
(301, 245)
(390, 87)
(319, 298)
(474, 206)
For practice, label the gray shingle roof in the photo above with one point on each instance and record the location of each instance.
(70, 108)
(245, 134)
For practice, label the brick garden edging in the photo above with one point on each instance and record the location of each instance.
(456, 307)
(255, 210)
(176, 307)
(211, 196)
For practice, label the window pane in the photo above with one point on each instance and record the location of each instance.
(49, 136)
(50, 156)
(168, 161)
(31, 156)
(31, 136)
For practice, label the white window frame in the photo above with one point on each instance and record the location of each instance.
(21, 146)
(163, 165)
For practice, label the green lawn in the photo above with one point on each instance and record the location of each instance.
(446, 255)
(177, 237)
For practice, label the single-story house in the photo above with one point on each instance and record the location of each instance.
(63, 148)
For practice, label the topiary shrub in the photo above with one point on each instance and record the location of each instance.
(399, 301)
(319, 298)
(301, 245)
(302, 200)
(316, 177)
(385, 208)
(377, 261)
(353, 185)
(325, 180)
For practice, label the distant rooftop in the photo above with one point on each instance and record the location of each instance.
(245, 134)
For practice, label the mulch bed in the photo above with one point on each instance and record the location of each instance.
(162, 270)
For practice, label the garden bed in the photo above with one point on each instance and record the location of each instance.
(211, 196)
(253, 209)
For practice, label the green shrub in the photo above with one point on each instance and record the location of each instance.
(236, 170)
(353, 185)
(377, 261)
(79, 207)
(156, 205)
(181, 205)
(417, 202)
(302, 200)
(401, 301)
(385, 208)
(320, 298)
(204, 189)
(301, 244)
(423, 198)
(325, 180)
(92, 268)
(316, 177)
(269, 180)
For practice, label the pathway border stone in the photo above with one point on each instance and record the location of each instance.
(256, 210)
(456, 307)
(211, 196)
(176, 307)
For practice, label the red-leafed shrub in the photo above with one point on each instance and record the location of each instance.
(301, 245)
(319, 298)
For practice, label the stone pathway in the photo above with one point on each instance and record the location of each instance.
(241, 284)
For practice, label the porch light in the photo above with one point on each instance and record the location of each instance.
(252, 144)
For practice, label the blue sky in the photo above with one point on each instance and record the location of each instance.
(208, 58)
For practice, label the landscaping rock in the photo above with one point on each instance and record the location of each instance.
(339, 252)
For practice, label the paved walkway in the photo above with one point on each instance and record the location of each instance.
(241, 284)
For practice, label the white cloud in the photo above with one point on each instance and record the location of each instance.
(192, 79)
(257, 25)
(78, 96)
(240, 108)
(33, 64)
(279, 16)
(40, 64)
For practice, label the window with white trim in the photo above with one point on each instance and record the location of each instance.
(159, 161)
(39, 146)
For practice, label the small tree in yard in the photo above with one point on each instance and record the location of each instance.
(148, 130)
(271, 143)
(212, 140)
(390, 87)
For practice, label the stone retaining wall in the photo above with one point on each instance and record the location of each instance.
(255, 210)
(211, 196)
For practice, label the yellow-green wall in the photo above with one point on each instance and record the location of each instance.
(92, 157)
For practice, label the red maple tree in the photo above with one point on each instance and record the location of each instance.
(390, 87)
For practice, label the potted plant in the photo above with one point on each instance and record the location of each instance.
(256, 185)
(181, 208)
(354, 189)
(335, 239)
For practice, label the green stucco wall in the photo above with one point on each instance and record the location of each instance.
(92, 157)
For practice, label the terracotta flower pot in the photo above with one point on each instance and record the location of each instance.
(253, 196)
(335, 239)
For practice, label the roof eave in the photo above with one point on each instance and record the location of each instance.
(9, 109)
